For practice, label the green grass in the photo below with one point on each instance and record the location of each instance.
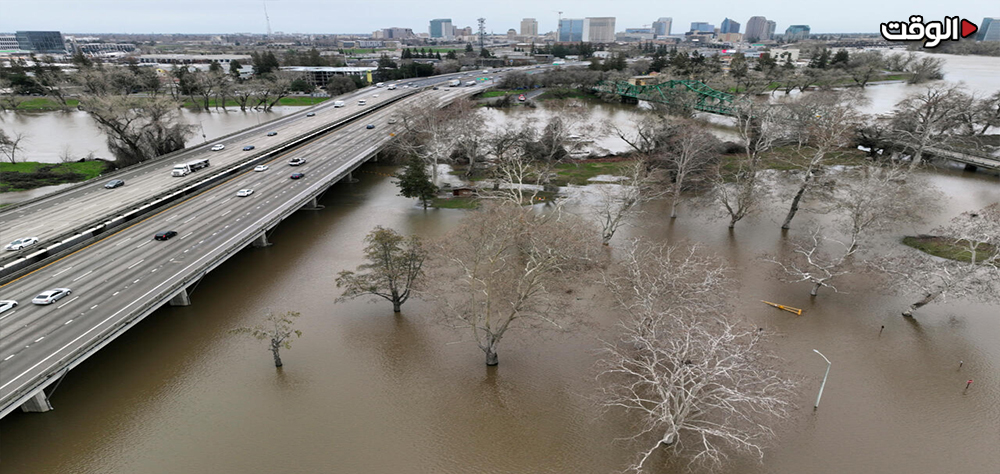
(30, 174)
(496, 93)
(580, 173)
(455, 203)
(787, 158)
(46, 103)
(287, 101)
(944, 247)
(563, 93)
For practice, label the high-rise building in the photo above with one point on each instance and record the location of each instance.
(989, 30)
(397, 33)
(757, 28)
(662, 26)
(599, 29)
(529, 27)
(442, 28)
(570, 30)
(770, 29)
(729, 26)
(702, 27)
(797, 32)
(41, 41)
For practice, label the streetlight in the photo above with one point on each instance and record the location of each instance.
(828, 364)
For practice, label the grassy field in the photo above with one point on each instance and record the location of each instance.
(45, 103)
(787, 158)
(580, 173)
(455, 203)
(30, 174)
(563, 93)
(496, 93)
(944, 247)
(287, 101)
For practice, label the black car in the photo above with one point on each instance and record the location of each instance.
(248, 148)
(370, 126)
(297, 175)
(114, 183)
(165, 235)
(435, 87)
(271, 134)
(311, 114)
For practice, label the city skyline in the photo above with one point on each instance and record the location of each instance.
(313, 17)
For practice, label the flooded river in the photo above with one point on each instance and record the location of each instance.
(364, 391)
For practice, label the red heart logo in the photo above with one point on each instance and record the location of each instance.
(968, 28)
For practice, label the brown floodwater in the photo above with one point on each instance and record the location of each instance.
(364, 391)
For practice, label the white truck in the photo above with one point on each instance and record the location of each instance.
(455, 83)
(338, 103)
(184, 169)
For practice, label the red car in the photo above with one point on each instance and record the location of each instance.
(297, 175)
(521, 98)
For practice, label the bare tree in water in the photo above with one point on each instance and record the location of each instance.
(621, 202)
(699, 385)
(277, 330)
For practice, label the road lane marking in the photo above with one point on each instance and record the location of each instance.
(92, 307)
(39, 339)
(144, 243)
(8, 357)
(134, 264)
(81, 276)
(68, 302)
(61, 271)
(122, 242)
(189, 220)
(153, 270)
(224, 214)
(186, 235)
(115, 293)
(67, 322)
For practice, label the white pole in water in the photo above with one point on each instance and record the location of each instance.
(828, 364)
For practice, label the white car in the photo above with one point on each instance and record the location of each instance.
(296, 161)
(218, 147)
(6, 305)
(22, 243)
(51, 296)
(244, 193)
(375, 96)
(260, 168)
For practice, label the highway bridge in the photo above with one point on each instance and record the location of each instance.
(971, 160)
(121, 275)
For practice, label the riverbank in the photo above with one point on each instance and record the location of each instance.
(945, 247)
(46, 104)
(32, 174)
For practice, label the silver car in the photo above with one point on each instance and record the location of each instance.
(7, 305)
(51, 296)
(22, 243)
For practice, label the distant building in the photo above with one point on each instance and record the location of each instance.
(320, 76)
(193, 58)
(529, 27)
(702, 27)
(797, 32)
(397, 33)
(45, 42)
(467, 31)
(729, 26)
(645, 31)
(730, 37)
(570, 30)
(757, 28)
(989, 30)
(770, 29)
(662, 26)
(441, 28)
(599, 29)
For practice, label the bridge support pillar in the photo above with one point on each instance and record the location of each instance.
(261, 240)
(312, 205)
(181, 299)
(971, 167)
(37, 404)
(350, 178)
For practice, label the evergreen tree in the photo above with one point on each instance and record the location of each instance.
(451, 55)
(415, 182)
(840, 59)
(468, 47)
(234, 68)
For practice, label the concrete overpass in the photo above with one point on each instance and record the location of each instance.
(120, 276)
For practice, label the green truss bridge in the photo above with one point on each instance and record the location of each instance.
(708, 99)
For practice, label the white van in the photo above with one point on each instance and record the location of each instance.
(338, 103)
(362, 102)
(391, 87)
(380, 84)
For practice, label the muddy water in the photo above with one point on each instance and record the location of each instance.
(364, 391)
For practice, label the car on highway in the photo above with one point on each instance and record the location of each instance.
(165, 235)
(260, 168)
(114, 183)
(370, 126)
(7, 304)
(409, 84)
(435, 88)
(297, 175)
(392, 120)
(244, 193)
(391, 87)
(51, 296)
(218, 147)
(21, 243)
(375, 96)
(271, 134)
(296, 161)
(248, 148)
(311, 114)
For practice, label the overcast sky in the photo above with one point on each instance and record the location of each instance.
(365, 16)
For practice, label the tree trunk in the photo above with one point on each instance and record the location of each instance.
(491, 351)
(926, 299)
(395, 301)
(274, 350)
(732, 222)
(795, 201)
(815, 289)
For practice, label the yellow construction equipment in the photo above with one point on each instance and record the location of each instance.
(786, 308)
